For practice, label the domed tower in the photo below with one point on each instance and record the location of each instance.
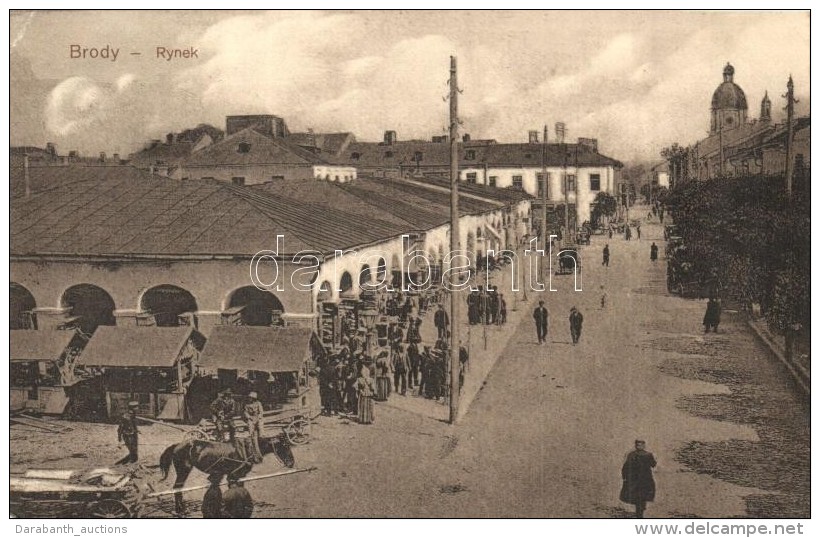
(728, 104)
(766, 109)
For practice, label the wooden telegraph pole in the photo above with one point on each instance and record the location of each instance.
(544, 186)
(455, 364)
(790, 101)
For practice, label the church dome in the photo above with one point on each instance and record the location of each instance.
(729, 94)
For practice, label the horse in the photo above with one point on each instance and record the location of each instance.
(217, 459)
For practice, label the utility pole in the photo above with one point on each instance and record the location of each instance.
(455, 364)
(790, 101)
(544, 188)
(565, 235)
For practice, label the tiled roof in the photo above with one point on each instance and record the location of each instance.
(262, 349)
(163, 154)
(48, 177)
(371, 154)
(505, 196)
(329, 143)
(261, 149)
(128, 347)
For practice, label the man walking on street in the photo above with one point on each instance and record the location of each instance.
(400, 365)
(653, 252)
(576, 320)
(442, 322)
(606, 255)
(638, 484)
(127, 433)
(711, 319)
(541, 317)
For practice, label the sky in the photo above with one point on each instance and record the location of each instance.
(635, 80)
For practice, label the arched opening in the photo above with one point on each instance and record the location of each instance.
(325, 292)
(257, 308)
(166, 302)
(345, 283)
(395, 269)
(364, 276)
(381, 270)
(21, 304)
(92, 304)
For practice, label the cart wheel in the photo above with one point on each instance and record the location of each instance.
(298, 431)
(109, 509)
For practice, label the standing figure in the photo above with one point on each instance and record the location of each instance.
(653, 252)
(610, 231)
(442, 321)
(414, 360)
(364, 391)
(502, 310)
(541, 317)
(382, 377)
(606, 255)
(711, 319)
(604, 297)
(576, 320)
(638, 484)
(252, 413)
(627, 232)
(223, 410)
(638, 229)
(400, 365)
(237, 501)
(127, 433)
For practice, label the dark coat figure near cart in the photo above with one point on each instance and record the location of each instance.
(711, 319)
(223, 409)
(576, 321)
(127, 433)
(638, 483)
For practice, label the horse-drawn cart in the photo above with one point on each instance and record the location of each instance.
(295, 423)
(569, 261)
(98, 493)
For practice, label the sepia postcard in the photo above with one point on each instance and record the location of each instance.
(410, 264)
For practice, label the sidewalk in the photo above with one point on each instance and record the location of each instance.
(777, 346)
(473, 337)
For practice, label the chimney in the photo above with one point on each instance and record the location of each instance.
(102, 156)
(51, 149)
(169, 138)
(389, 138)
(533, 136)
(116, 158)
(466, 137)
(26, 175)
(72, 155)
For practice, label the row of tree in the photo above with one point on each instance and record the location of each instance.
(745, 232)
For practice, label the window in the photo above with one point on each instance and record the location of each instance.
(571, 182)
(355, 155)
(595, 182)
(417, 156)
(528, 155)
(388, 154)
(540, 179)
(470, 155)
(337, 178)
(243, 147)
(493, 181)
(518, 182)
(238, 180)
(281, 178)
(472, 177)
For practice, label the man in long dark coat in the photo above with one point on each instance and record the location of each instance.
(441, 321)
(638, 484)
(541, 317)
(653, 252)
(606, 255)
(711, 319)
(576, 320)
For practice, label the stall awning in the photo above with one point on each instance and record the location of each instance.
(263, 349)
(39, 345)
(130, 347)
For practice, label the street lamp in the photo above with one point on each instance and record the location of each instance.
(369, 317)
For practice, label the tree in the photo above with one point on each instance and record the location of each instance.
(604, 205)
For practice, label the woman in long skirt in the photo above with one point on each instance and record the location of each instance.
(364, 389)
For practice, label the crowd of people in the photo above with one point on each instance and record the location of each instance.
(355, 373)
(486, 306)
